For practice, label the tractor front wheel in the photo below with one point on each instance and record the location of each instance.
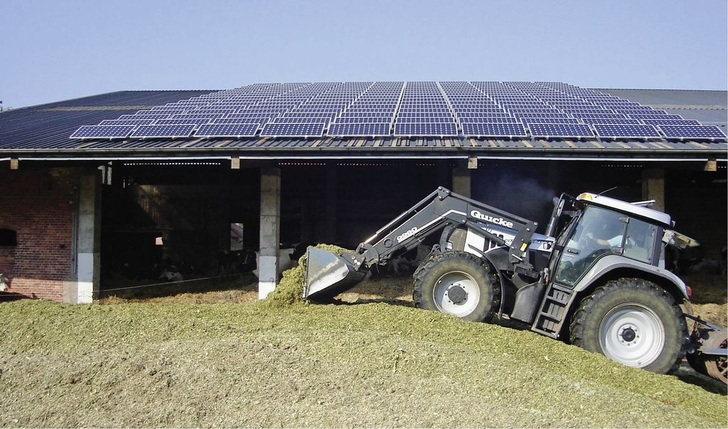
(633, 322)
(457, 283)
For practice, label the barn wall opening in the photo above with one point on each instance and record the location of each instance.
(344, 202)
(8, 242)
(170, 221)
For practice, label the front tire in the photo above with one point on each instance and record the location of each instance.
(457, 283)
(633, 322)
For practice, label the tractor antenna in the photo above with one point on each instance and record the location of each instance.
(608, 190)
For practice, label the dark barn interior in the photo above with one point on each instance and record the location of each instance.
(179, 213)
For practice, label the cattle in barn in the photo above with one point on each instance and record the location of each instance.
(407, 262)
(692, 261)
(168, 271)
(288, 257)
(231, 261)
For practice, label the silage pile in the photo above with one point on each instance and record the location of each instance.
(289, 290)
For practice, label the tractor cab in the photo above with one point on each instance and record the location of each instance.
(602, 226)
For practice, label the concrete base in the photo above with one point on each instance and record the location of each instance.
(87, 283)
(267, 276)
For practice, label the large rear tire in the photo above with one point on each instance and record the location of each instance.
(633, 322)
(457, 283)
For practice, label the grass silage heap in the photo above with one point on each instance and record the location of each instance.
(282, 363)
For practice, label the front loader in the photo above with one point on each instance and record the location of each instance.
(596, 278)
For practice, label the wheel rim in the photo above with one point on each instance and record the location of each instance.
(456, 293)
(632, 335)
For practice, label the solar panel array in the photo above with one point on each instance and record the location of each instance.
(501, 110)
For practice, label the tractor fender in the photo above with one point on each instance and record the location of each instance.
(612, 266)
(498, 259)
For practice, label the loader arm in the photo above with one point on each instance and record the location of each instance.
(328, 272)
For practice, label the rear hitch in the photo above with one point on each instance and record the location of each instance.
(708, 352)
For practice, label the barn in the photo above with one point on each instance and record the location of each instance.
(127, 183)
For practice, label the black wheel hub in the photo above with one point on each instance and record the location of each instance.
(457, 294)
(628, 335)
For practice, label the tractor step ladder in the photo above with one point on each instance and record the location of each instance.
(551, 316)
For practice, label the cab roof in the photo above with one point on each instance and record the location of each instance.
(638, 210)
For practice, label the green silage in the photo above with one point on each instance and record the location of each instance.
(289, 290)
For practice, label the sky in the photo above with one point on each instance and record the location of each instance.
(53, 50)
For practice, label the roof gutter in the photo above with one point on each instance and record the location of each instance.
(342, 157)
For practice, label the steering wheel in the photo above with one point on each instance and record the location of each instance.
(588, 244)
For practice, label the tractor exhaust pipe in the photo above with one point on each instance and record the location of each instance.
(328, 274)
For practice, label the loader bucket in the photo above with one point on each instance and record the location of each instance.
(328, 274)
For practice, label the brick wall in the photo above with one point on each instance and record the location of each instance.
(39, 206)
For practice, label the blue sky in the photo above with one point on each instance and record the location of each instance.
(54, 50)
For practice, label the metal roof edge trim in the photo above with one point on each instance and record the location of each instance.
(257, 158)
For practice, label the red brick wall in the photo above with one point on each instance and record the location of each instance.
(39, 204)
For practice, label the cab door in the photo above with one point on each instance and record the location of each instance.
(597, 232)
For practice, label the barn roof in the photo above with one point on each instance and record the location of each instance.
(45, 132)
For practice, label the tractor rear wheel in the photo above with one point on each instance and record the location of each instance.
(633, 322)
(457, 283)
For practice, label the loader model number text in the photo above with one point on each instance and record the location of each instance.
(496, 220)
(407, 234)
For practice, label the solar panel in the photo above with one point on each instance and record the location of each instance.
(259, 121)
(102, 131)
(495, 109)
(197, 122)
(146, 116)
(227, 130)
(692, 131)
(358, 130)
(560, 130)
(613, 121)
(490, 120)
(171, 131)
(671, 121)
(300, 120)
(293, 130)
(126, 122)
(654, 116)
(494, 130)
(626, 131)
(372, 114)
(426, 129)
(540, 115)
(527, 121)
(598, 115)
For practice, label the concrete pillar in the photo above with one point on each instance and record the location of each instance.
(88, 243)
(270, 230)
(653, 187)
(461, 181)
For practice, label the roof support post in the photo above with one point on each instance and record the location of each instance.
(270, 227)
(653, 187)
(461, 179)
(87, 243)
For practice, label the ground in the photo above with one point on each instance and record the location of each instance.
(220, 357)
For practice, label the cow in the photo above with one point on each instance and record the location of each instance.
(407, 262)
(286, 260)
